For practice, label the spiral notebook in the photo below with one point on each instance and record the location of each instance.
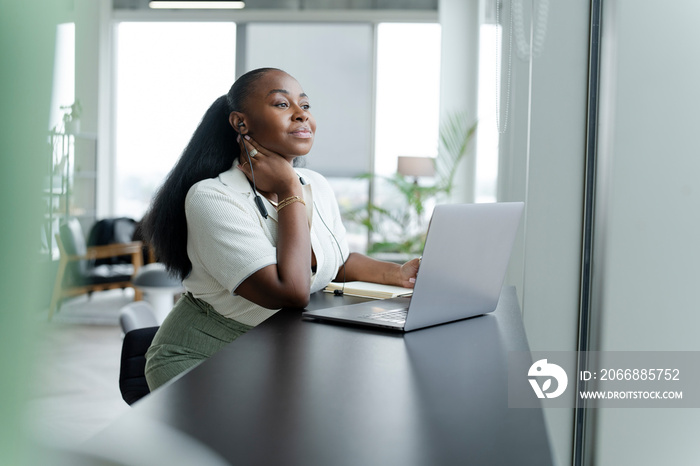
(368, 290)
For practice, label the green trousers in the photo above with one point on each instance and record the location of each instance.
(191, 333)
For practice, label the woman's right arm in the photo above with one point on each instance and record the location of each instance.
(286, 283)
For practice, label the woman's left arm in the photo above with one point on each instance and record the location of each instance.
(359, 267)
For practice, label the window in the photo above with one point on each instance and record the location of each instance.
(487, 131)
(408, 64)
(168, 74)
(408, 93)
(407, 123)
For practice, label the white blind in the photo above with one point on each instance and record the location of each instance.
(333, 64)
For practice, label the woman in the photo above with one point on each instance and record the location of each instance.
(247, 232)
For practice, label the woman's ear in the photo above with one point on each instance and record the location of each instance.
(237, 121)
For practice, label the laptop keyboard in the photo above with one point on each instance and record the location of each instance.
(397, 316)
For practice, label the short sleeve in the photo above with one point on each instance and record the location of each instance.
(226, 238)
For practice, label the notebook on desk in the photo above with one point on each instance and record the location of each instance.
(466, 254)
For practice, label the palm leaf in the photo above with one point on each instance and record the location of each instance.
(392, 226)
(455, 135)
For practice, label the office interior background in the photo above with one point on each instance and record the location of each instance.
(596, 137)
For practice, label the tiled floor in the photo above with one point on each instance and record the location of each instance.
(75, 391)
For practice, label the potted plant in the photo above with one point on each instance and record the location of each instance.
(399, 229)
(71, 117)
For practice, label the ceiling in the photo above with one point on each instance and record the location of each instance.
(430, 5)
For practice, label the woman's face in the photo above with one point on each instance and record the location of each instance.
(277, 115)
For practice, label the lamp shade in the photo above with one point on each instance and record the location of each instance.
(416, 166)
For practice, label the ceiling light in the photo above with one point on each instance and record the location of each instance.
(196, 5)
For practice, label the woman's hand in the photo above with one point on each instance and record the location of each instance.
(273, 173)
(408, 272)
(364, 268)
(286, 283)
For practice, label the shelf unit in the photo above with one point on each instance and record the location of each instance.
(70, 185)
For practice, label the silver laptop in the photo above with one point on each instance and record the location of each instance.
(466, 254)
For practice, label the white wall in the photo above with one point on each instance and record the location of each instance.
(92, 71)
(542, 162)
(460, 22)
(339, 85)
(648, 217)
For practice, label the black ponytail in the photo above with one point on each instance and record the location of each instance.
(211, 151)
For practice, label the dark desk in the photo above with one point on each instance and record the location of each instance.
(293, 392)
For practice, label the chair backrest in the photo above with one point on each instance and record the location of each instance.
(132, 373)
(110, 231)
(71, 234)
(137, 314)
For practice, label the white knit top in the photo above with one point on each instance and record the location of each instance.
(228, 240)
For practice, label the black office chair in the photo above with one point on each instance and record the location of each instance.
(132, 377)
